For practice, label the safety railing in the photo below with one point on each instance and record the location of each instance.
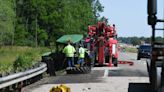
(21, 76)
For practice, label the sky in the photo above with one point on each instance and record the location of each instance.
(130, 16)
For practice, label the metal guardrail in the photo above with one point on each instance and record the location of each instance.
(21, 76)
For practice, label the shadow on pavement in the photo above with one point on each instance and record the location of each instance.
(139, 87)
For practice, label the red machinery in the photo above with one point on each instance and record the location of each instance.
(104, 43)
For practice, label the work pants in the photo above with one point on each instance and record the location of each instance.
(80, 61)
(70, 61)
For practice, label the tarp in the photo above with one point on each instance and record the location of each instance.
(74, 38)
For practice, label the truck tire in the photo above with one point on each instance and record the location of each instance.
(107, 59)
(162, 78)
(79, 70)
(138, 57)
(148, 67)
(115, 61)
(153, 77)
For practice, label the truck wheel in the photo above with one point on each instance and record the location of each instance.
(138, 57)
(148, 67)
(106, 59)
(115, 65)
(162, 78)
(153, 77)
(79, 70)
(115, 61)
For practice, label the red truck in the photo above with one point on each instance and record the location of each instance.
(104, 43)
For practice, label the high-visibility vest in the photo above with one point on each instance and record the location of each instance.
(81, 52)
(69, 50)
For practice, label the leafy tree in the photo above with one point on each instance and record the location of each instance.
(6, 21)
(135, 41)
(36, 22)
(43, 21)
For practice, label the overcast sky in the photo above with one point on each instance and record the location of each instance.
(130, 16)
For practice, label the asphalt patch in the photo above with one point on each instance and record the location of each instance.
(94, 77)
(127, 73)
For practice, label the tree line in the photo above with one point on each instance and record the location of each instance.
(41, 22)
(139, 40)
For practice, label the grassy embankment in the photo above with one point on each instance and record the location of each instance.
(18, 58)
(132, 50)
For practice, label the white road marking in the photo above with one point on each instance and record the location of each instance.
(114, 68)
(144, 63)
(106, 73)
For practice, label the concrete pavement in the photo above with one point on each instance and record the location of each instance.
(101, 79)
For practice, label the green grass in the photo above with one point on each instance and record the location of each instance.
(133, 50)
(15, 58)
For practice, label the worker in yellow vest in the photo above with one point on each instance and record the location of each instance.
(69, 51)
(81, 55)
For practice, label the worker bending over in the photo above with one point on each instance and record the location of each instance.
(69, 51)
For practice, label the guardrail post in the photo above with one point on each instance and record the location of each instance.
(20, 86)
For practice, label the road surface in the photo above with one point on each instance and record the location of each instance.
(101, 79)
